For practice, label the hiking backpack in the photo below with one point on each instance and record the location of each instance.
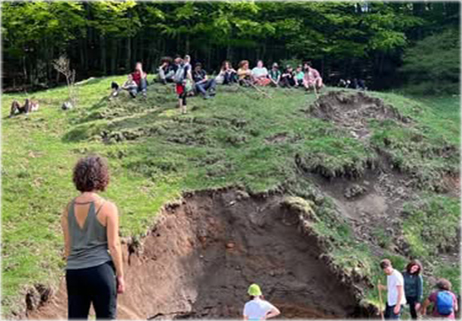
(179, 74)
(444, 303)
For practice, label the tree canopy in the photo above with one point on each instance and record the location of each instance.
(351, 38)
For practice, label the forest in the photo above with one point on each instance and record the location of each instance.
(407, 45)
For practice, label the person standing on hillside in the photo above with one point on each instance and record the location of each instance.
(413, 286)
(92, 249)
(444, 301)
(182, 75)
(395, 288)
(258, 308)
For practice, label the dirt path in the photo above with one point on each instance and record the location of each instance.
(203, 254)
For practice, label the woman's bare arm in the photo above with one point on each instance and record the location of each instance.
(65, 227)
(114, 245)
(273, 313)
(423, 309)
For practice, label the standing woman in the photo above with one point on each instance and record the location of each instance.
(258, 308)
(94, 270)
(413, 286)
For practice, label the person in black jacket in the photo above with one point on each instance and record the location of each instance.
(413, 286)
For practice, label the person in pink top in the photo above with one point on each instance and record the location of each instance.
(312, 78)
(444, 301)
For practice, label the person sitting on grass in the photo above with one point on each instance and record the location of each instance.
(244, 73)
(227, 75)
(16, 108)
(166, 70)
(288, 78)
(312, 78)
(202, 83)
(299, 76)
(139, 77)
(275, 75)
(129, 85)
(258, 308)
(260, 74)
(444, 301)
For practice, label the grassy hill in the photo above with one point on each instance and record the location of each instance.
(239, 138)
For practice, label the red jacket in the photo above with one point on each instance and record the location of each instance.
(137, 77)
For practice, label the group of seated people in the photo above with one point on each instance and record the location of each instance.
(190, 81)
(303, 76)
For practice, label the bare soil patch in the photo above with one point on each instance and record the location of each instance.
(204, 251)
(352, 111)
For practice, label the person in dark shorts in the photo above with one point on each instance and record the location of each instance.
(182, 75)
(90, 224)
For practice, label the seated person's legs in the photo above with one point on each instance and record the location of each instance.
(14, 108)
(115, 88)
(162, 77)
(143, 86)
(133, 90)
(169, 76)
(200, 88)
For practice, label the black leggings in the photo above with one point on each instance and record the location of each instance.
(95, 285)
(412, 301)
(182, 96)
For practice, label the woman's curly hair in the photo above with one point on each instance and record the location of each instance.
(91, 173)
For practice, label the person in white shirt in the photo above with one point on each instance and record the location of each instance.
(258, 308)
(260, 74)
(395, 288)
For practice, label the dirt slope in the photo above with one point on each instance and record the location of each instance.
(202, 255)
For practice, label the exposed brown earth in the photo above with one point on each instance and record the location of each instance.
(204, 252)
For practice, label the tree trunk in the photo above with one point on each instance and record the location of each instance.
(102, 42)
(128, 58)
(113, 56)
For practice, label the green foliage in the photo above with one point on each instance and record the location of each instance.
(432, 66)
(431, 226)
(333, 34)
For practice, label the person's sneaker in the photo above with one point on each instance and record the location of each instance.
(206, 97)
(212, 93)
(144, 94)
(133, 95)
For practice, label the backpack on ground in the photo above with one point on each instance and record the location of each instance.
(179, 74)
(444, 303)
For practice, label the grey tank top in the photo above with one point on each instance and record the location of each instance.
(89, 246)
